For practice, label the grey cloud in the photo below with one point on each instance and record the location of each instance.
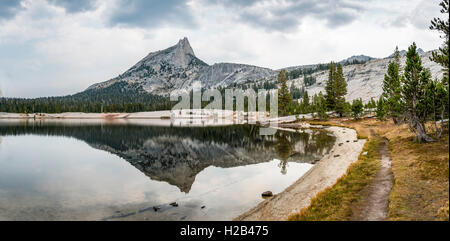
(422, 14)
(8, 8)
(420, 17)
(72, 6)
(339, 18)
(281, 17)
(235, 2)
(151, 13)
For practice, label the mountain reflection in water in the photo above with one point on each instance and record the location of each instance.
(176, 155)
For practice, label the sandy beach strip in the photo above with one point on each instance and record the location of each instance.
(323, 175)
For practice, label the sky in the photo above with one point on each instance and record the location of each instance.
(60, 47)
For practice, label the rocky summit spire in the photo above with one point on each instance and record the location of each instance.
(183, 53)
(184, 46)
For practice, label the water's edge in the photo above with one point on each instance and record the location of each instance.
(321, 176)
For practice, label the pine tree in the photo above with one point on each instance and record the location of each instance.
(442, 55)
(321, 107)
(340, 90)
(437, 100)
(392, 88)
(305, 102)
(329, 88)
(357, 108)
(415, 80)
(284, 97)
(380, 110)
(371, 104)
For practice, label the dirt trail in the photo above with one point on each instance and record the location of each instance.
(376, 206)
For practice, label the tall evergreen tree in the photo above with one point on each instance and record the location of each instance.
(415, 80)
(442, 55)
(284, 97)
(305, 102)
(340, 90)
(392, 88)
(441, 92)
(380, 110)
(329, 88)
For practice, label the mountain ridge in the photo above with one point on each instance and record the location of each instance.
(177, 67)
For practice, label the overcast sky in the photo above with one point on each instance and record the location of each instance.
(59, 47)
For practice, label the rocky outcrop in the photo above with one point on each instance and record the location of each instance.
(358, 58)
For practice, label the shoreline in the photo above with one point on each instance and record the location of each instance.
(294, 198)
(162, 114)
(322, 175)
(82, 115)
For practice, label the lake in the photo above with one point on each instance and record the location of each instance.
(113, 170)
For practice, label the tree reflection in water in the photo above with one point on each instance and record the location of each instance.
(177, 154)
(284, 150)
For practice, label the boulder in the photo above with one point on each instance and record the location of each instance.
(267, 194)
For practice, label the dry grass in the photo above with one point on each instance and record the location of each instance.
(337, 203)
(421, 174)
(421, 177)
(421, 171)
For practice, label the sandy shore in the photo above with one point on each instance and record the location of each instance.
(165, 114)
(323, 175)
(80, 115)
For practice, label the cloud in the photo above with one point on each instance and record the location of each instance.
(273, 15)
(151, 13)
(424, 11)
(419, 16)
(8, 8)
(57, 47)
(72, 6)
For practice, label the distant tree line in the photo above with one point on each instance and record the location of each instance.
(119, 97)
(296, 73)
(355, 61)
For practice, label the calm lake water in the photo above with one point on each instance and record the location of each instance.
(92, 170)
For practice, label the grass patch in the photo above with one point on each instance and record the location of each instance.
(421, 171)
(337, 202)
(421, 176)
